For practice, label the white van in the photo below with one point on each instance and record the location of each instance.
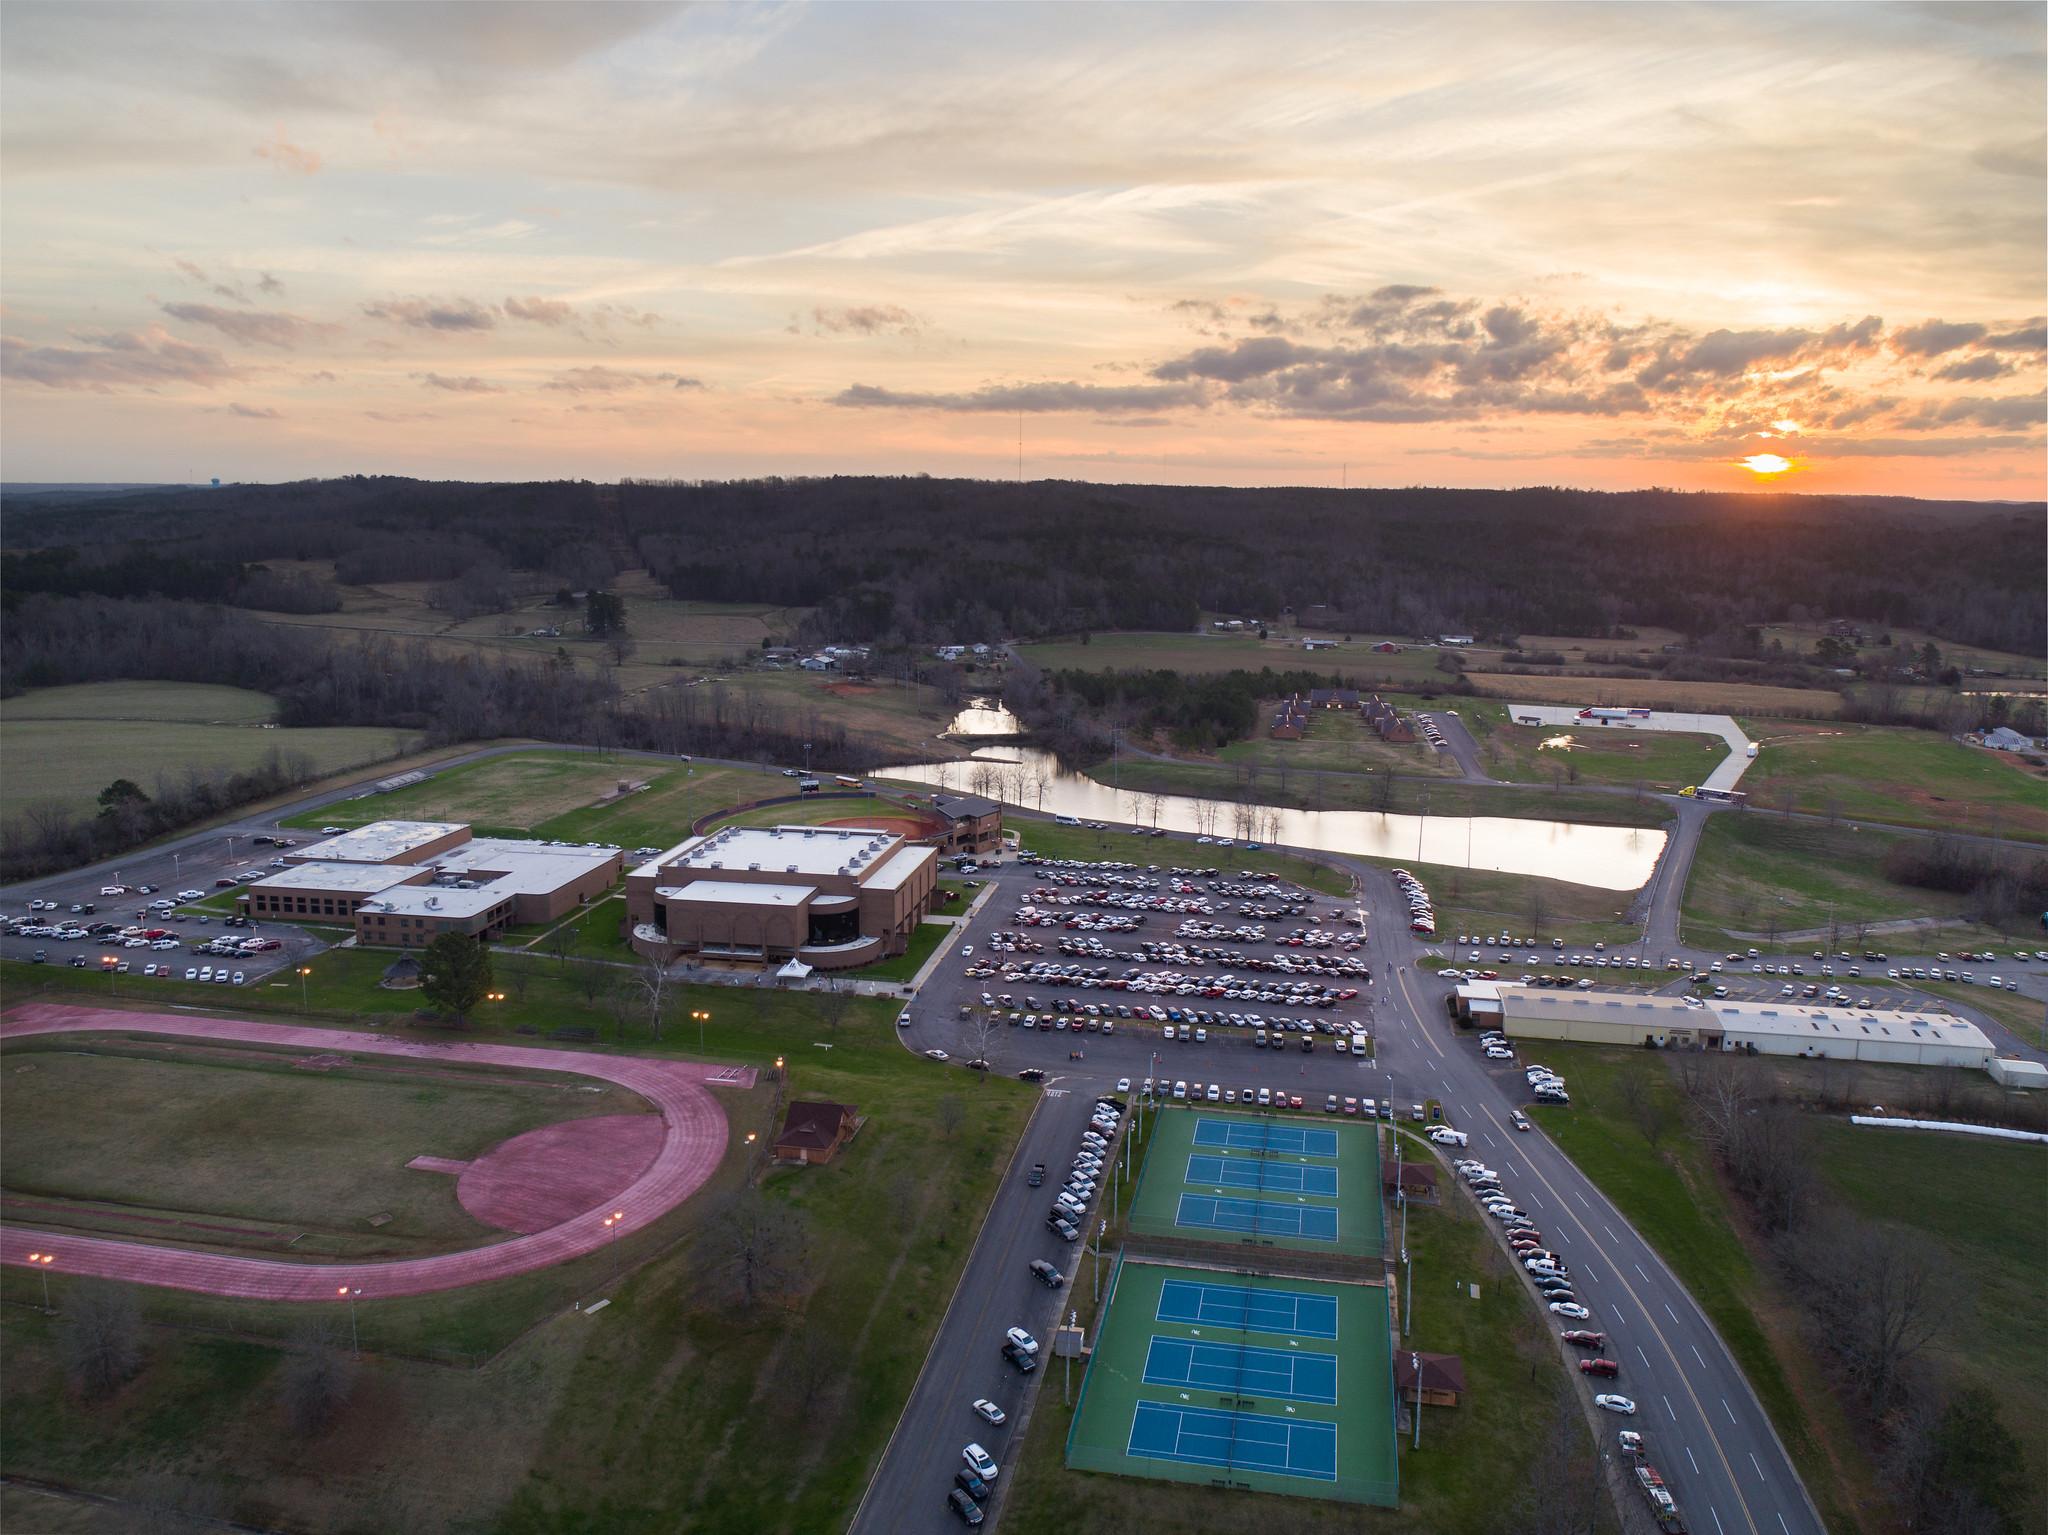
(1360, 1045)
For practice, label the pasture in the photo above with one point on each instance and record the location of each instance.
(515, 792)
(60, 746)
(1338, 741)
(1910, 777)
(1654, 693)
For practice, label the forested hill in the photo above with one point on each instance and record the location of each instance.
(920, 559)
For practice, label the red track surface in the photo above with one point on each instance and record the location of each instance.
(556, 1172)
(690, 1152)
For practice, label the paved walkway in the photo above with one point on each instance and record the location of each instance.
(690, 1152)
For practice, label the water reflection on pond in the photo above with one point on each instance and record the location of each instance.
(985, 717)
(1609, 857)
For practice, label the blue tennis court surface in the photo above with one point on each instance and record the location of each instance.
(1232, 1305)
(1242, 1370)
(1246, 1441)
(1251, 1135)
(1262, 1217)
(1255, 1173)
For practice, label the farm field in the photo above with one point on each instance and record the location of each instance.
(1801, 638)
(1654, 693)
(1880, 773)
(1141, 651)
(61, 746)
(529, 1437)
(222, 1138)
(1664, 761)
(514, 792)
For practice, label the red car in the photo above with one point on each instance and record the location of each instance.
(1599, 1367)
(1586, 1339)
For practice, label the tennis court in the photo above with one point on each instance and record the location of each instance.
(1257, 1217)
(1238, 1440)
(1238, 1380)
(1242, 1369)
(1204, 1303)
(1260, 1135)
(1253, 1180)
(1258, 1173)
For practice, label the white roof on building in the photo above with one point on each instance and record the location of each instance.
(522, 868)
(733, 892)
(363, 878)
(438, 900)
(1806, 1022)
(898, 871)
(1610, 1006)
(812, 852)
(379, 842)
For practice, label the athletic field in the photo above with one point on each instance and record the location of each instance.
(1262, 1181)
(1241, 1380)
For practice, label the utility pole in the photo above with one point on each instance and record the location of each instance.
(1415, 1365)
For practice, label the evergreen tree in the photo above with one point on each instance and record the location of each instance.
(455, 973)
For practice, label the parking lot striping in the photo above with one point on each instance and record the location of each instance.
(1670, 1409)
(1259, 1173)
(1242, 1370)
(1729, 1410)
(1670, 1313)
(1717, 1518)
(1610, 1235)
(1238, 1440)
(1695, 1464)
(1200, 1304)
(1758, 1464)
(1696, 1354)
(1313, 1223)
(1288, 1140)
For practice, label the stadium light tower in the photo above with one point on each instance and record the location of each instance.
(349, 1293)
(42, 1262)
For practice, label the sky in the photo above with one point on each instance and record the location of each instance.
(1707, 246)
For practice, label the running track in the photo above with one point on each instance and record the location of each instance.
(689, 1154)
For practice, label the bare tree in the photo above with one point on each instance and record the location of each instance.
(759, 1246)
(559, 941)
(951, 1114)
(102, 1337)
(1645, 1107)
(1563, 1494)
(835, 1001)
(316, 1380)
(985, 1036)
(1878, 1295)
(590, 981)
(651, 981)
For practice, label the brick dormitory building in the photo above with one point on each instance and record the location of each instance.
(404, 883)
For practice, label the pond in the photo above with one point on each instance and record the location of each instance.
(985, 717)
(1607, 857)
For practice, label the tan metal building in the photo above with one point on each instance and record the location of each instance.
(831, 896)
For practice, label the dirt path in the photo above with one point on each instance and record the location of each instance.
(692, 1145)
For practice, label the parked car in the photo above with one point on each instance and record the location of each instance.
(1606, 1367)
(1620, 1404)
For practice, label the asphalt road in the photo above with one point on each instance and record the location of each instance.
(1708, 1434)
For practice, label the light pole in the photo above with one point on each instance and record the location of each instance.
(1415, 1368)
(42, 1262)
(305, 1006)
(701, 1017)
(1096, 1285)
(611, 1224)
(807, 759)
(355, 1342)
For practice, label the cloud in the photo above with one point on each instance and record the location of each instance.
(269, 284)
(2003, 412)
(254, 412)
(1930, 338)
(541, 311)
(1011, 398)
(599, 379)
(120, 360)
(287, 156)
(398, 416)
(691, 383)
(456, 314)
(868, 320)
(467, 384)
(2028, 336)
(1979, 369)
(251, 328)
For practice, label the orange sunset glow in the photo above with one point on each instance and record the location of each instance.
(1233, 245)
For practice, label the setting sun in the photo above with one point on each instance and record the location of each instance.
(1766, 464)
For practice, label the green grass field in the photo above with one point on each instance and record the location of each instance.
(1661, 760)
(1380, 791)
(1909, 777)
(1131, 1365)
(1988, 1222)
(1483, 901)
(516, 792)
(1336, 742)
(1137, 651)
(1056, 841)
(902, 967)
(233, 1136)
(61, 746)
(660, 1410)
(1670, 1194)
(1758, 875)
